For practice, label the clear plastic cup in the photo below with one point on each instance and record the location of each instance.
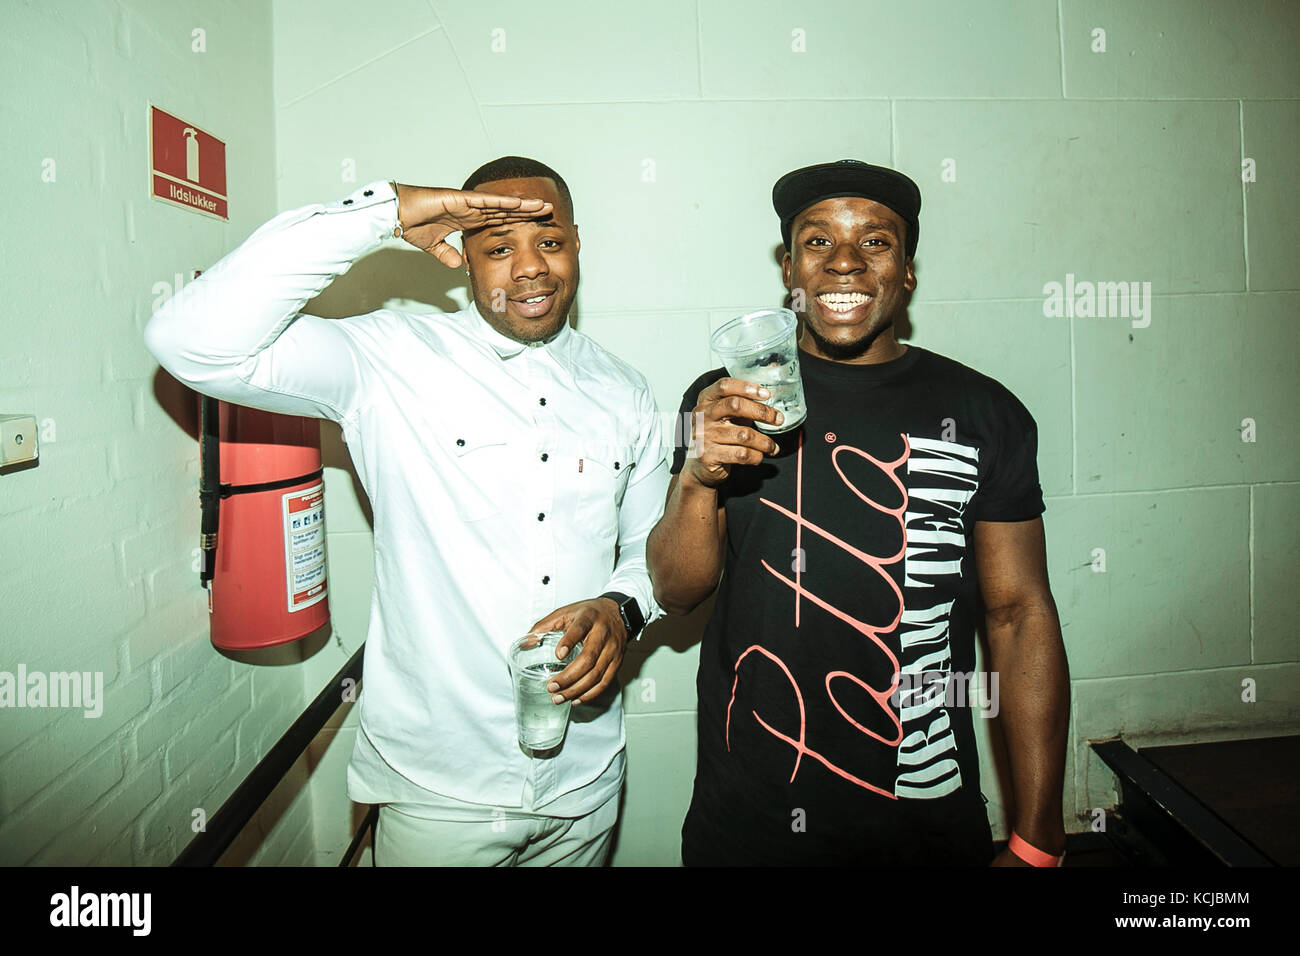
(540, 723)
(760, 347)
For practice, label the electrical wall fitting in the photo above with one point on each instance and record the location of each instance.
(17, 439)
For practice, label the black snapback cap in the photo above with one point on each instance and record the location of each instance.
(796, 191)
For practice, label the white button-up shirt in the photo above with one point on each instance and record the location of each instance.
(505, 481)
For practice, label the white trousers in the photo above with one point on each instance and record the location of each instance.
(406, 836)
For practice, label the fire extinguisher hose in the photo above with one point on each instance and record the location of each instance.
(209, 481)
(212, 490)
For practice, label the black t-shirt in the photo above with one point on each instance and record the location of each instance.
(850, 570)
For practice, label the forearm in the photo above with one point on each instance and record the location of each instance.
(1033, 689)
(213, 333)
(641, 508)
(684, 549)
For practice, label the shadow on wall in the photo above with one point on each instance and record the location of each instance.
(389, 274)
(378, 278)
(679, 634)
(244, 848)
(393, 274)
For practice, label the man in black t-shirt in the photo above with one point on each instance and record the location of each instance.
(836, 675)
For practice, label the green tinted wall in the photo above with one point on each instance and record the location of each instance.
(1079, 142)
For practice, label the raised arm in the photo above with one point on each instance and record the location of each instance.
(685, 549)
(236, 332)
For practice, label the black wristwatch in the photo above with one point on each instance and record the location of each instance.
(630, 612)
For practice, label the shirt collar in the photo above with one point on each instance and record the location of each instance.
(559, 346)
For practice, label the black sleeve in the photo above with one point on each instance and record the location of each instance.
(682, 426)
(1010, 490)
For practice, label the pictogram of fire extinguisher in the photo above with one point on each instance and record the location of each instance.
(262, 534)
(191, 154)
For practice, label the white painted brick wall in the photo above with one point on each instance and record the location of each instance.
(166, 829)
(77, 469)
(113, 814)
(96, 542)
(70, 737)
(218, 721)
(185, 660)
(196, 697)
(23, 834)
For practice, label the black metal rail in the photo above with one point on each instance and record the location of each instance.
(225, 825)
(367, 823)
(1186, 831)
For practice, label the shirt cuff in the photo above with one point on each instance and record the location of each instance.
(372, 194)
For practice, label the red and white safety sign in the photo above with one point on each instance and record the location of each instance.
(304, 545)
(187, 165)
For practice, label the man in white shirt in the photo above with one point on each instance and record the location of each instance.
(514, 469)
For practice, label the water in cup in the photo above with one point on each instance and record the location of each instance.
(760, 347)
(779, 374)
(539, 722)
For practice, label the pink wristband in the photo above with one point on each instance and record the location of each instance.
(1031, 855)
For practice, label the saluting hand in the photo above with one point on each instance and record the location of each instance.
(429, 215)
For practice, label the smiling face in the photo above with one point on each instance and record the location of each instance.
(524, 276)
(849, 257)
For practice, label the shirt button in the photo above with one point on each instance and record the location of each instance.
(541, 517)
(545, 456)
(546, 579)
(368, 192)
(616, 466)
(460, 442)
(541, 401)
(347, 202)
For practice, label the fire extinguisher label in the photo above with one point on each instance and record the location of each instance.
(304, 546)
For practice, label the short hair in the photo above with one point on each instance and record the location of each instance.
(519, 167)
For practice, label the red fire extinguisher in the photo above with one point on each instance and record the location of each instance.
(262, 488)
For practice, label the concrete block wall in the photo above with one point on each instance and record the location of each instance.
(1104, 140)
(97, 542)
(1093, 138)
